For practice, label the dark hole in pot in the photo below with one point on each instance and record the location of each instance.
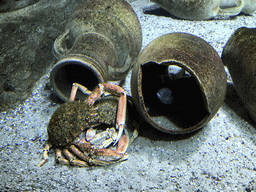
(178, 99)
(72, 72)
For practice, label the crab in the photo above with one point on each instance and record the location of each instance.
(71, 128)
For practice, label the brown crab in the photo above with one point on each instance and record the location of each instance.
(66, 129)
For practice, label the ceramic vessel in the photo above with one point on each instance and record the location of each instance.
(178, 83)
(101, 43)
(206, 9)
(239, 55)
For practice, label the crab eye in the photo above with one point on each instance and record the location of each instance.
(165, 95)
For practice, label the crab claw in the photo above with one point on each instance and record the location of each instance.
(120, 131)
(103, 139)
(123, 143)
(100, 156)
(109, 156)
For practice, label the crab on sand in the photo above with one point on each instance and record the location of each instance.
(70, 129)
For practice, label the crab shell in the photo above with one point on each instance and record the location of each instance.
(72, 118)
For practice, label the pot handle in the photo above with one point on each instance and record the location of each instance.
(60, 46)
(231, 11)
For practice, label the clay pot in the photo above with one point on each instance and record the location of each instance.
(178, 83)
(249, 6)
(101, 43)
(239, 55)
(206, 9)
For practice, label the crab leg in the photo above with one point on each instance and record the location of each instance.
(103, 88)
(76, 86)
(46, 150)
(121, 115)
(72, 159)
(60, 159)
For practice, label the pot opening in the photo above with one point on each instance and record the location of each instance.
(63, 75)
(172, 93)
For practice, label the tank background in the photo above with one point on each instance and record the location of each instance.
(220, 157)
(27, 33)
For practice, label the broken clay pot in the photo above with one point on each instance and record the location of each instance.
(178, 83)
(239, 55)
